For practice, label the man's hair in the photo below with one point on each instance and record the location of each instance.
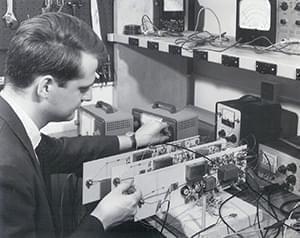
(50, 43)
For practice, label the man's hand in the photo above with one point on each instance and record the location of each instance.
(151, 133)
(118, 206)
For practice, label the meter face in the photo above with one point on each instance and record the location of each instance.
(173, 5)
(255, 15)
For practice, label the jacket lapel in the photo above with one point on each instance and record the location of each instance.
(18, 129)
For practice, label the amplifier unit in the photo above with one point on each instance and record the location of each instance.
(238, 119)
(182, 124)
(103, 119)
(279, 163)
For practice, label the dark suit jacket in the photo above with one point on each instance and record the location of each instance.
(24, 206)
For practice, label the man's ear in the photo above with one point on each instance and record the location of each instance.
(45, 85)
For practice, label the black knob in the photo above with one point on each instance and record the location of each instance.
(222, 133)
(292, 167)
(283, 21)
(231, 138)
(185, 191)
(116, 181)
(284, 6)
(291, 179)
(282, 169)
(285, 186)
(89, 183)
(297, 7)
(297, 22)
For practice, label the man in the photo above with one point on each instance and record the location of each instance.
(51, 64)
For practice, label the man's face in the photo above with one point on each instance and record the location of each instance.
(65, 100)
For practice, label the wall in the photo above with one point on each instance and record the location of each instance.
(143, 76)
(24, 9)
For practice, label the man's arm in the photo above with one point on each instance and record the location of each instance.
(65, 155)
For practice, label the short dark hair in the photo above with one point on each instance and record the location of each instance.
(50, 43)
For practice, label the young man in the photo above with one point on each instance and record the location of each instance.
(51, 64)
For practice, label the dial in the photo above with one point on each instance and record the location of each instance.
(255, 14)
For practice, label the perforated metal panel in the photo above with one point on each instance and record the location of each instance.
(117, 125)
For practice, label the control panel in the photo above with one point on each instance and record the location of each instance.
(97, 173)
(228, 123)
(193, 177)
(188, 165)
(277, 165)
(288, 20)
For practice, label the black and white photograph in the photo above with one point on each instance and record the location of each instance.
(149, 118)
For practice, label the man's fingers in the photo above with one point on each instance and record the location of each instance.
(124, 186)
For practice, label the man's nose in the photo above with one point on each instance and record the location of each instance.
(87, 96)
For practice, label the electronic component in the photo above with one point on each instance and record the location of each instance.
(232, 173)
(100, 170)
(162, 162)
(103, 119)
(209, 183)
(247, 116)
(169, 15)
(279, 163)
(196, 171)
(167, 172)
(182, 123)
(228, 173)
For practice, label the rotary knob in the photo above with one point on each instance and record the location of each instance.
(222, 133)
(297, 7)
(284, 6)
(291, 179)
(292, 167)
(283, 21)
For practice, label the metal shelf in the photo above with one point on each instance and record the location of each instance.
(274, 63)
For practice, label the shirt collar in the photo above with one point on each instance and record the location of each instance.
(30, 127)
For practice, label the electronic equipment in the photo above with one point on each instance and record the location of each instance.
(288, 20)
(103, 119)
(194, 172)
(182, 172)
(181, 123)
(100, 170)
(256, 19)
(280, 163)
(194, 161)
(277, 20)
(247, 117)
(168, 15)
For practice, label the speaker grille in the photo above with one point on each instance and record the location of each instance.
(186, 124)
(117, 125)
